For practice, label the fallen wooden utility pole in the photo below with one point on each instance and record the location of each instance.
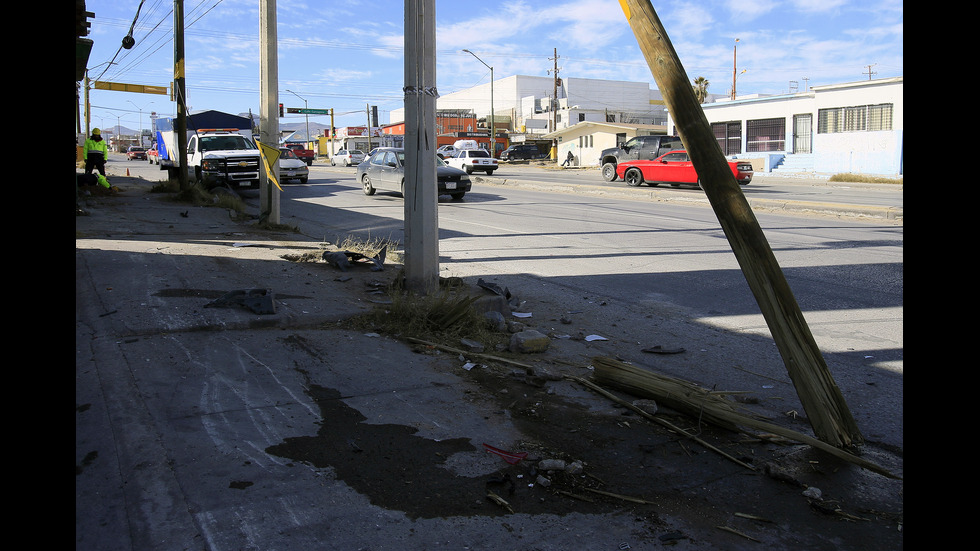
(825, 407)
(700, 404)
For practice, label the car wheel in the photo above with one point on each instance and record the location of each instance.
(401, 188)
(366, 184)
(468, 169)
(303, 180)
(633, 177)
(489, 172)
(609, 172)
(457, 196)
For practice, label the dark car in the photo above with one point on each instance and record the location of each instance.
(136, 152)
(385, 170)
(521, 151)
(674, 168)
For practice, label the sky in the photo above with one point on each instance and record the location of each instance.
(347, 54)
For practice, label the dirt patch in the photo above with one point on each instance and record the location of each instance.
(677, 488)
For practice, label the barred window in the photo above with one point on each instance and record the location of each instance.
(729, 136)
(765, 135)
(859, 118)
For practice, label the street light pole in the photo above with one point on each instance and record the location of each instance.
(734, 65)
(140, 131)
(493, 129)
(307, 108)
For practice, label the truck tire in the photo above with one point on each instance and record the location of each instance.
(609, 172)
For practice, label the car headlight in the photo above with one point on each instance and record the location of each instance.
(211, 164)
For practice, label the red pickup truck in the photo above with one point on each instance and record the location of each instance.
(305, 155)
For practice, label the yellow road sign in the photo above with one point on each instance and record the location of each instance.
(269, 157)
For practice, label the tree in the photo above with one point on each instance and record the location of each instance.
(701, 89)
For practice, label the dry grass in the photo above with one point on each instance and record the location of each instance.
(443, 318)
(864, 178)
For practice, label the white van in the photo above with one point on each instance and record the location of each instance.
(466, 144)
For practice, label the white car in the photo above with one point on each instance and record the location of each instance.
(469, 160)
(347, 157)
(446, 151)
(292, 167)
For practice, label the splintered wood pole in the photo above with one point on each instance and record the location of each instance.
(825, 407)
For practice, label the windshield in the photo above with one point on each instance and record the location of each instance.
(230, 141)
(288, 153)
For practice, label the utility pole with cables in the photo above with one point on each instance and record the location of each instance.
(554, 108)
(180, 95)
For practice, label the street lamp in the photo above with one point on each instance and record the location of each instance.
(493, 129)
(734, 65)
(140, 131)
(306, 108)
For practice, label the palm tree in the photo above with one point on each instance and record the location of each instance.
(701, 89)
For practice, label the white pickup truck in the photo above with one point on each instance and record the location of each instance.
(214, 157)
(469, 160)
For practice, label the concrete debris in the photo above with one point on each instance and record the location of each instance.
(529, 342)
(344, 260)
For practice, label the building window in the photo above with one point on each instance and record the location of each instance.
(765, 135)
(729, 136)
(610, 117)
(581, 117)
(860, 118)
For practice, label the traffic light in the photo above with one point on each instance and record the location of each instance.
(280, 111)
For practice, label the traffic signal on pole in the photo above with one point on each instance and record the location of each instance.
(280, 110)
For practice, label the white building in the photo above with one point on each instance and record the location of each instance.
(530, 103)
(854, 127)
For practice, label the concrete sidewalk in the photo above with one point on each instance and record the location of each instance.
(214, 427)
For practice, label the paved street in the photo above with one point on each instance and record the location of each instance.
(201, 427)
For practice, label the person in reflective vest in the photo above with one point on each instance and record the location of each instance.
(95, 152)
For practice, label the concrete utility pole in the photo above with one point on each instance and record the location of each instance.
(421, 191)
(179, 95)
(821, 398)
(269, 113)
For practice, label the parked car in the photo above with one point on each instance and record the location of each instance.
(674, 168)
(291, 167)
(469, 160)
(347, 157)
(638, 147)
(446, 151)
(385, 170)
(521, 151)
(136, 152)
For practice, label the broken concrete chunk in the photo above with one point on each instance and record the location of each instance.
(529, 342)
(551, 465)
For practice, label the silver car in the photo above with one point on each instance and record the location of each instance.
(292, 167)
(347, 157)
(385, 170)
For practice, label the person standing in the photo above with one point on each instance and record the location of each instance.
(95, 152)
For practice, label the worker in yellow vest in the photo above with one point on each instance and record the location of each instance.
(95, 153)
